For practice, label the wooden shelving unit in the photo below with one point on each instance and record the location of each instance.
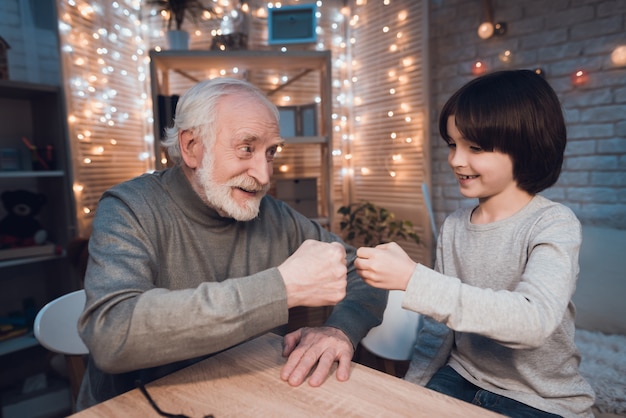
(36, 112)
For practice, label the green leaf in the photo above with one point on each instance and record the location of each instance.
(373, 225)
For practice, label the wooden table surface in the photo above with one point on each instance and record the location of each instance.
(244, 381)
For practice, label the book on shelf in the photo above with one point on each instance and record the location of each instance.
(31, 251)
(8, 331)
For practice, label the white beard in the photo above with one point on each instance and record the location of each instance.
(218, 196)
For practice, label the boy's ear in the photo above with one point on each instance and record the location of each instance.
(191, 148)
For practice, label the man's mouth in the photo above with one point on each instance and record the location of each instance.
(250, 191)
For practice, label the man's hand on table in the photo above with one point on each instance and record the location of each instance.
(311, 347)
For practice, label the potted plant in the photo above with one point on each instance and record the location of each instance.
(368, 224)
(177, 11)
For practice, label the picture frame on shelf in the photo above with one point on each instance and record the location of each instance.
(288, 121)
(298, 120)
(293, 24)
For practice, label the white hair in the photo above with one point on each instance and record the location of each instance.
(195, 111)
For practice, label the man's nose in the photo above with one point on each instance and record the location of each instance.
(260, 169)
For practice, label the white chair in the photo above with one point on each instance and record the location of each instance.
(56, 328)
(394, 338)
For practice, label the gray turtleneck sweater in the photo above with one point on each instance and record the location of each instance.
(170, 281)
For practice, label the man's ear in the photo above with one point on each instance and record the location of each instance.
(191, 148)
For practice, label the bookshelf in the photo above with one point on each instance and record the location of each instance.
(30, 277)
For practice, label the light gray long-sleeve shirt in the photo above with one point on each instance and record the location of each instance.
(169, 281)
(505, 289)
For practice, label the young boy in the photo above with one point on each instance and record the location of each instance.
(499, 319)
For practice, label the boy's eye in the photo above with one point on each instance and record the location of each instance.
(451, 145)
(475, 148)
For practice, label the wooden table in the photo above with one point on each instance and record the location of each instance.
(244, 381)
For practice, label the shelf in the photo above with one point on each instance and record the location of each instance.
(18, 174)
(36, 112)
(306, 140)
(29, 260)
(18, 343)
(23, 90)
(275, 60)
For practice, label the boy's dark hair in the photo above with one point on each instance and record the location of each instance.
(517, 113)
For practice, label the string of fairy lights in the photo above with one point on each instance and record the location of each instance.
(121, 53)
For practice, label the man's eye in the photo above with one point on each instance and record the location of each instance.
(246, 148)
(271, 153)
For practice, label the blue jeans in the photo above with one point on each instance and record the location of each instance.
(449, 382)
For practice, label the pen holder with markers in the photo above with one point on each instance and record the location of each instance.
(42, 158)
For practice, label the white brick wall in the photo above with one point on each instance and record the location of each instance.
(34, 52)
(558, 36)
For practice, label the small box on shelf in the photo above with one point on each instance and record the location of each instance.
(10, 159)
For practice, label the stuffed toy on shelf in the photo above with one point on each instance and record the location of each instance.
(20, 227)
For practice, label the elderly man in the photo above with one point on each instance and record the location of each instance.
(196, 258)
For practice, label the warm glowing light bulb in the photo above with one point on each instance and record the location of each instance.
(618, 56)
(580, 77)
(486, 30)
(479, 68)
(261, 13)
(505, 56)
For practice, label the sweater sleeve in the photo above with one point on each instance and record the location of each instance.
(129, 323)
(523, 316)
